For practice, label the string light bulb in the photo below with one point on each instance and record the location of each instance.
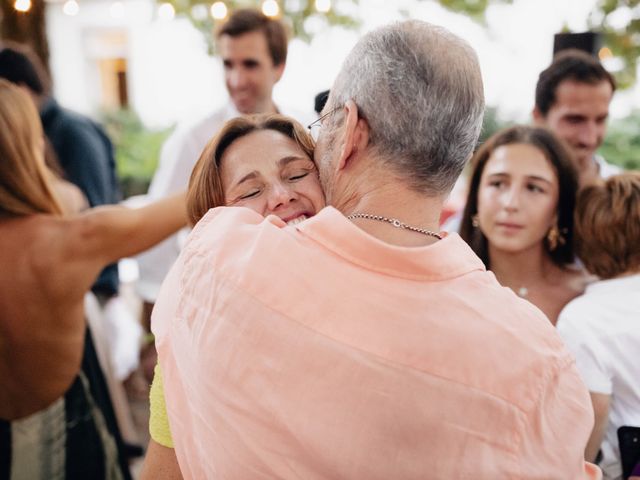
(605, 53)
(22, 5)
(270, 8)
(219, 10)
(166, 11)
(323, 6)
(71, 8)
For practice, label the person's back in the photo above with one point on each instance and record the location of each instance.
(49, 263)
(42, 312)
(393, 363)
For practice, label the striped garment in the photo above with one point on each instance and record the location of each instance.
(77, 437)
(67, 440)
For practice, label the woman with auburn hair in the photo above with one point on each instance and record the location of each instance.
(264, 163)
(519, 216)
(241, 148)
(50, 425)
(602, 327)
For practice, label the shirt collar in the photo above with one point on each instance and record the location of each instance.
(447, 258)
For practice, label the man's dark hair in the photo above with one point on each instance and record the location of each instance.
(320, 101)
(21, 66)
(573, 65)
(248, 20)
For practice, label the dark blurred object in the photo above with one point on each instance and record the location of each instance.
(589, 42)
(320, 101)
(629, 442)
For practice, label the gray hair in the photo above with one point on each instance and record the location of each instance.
(420, 89)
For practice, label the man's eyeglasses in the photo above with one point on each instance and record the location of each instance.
(314, 127)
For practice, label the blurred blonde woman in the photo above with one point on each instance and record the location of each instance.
(50, 426)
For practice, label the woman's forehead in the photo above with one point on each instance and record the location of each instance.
(521, 159)
(261, 151)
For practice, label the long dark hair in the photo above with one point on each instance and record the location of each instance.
(560, 159)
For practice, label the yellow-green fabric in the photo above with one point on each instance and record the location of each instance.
(158, 420)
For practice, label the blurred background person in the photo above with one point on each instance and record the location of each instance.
(572, 100)
(51, 426)
(602, 327)
(519, 216)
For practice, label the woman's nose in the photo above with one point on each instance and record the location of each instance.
(281, 194)
(511, 199)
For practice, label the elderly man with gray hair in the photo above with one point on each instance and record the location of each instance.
(362, 343)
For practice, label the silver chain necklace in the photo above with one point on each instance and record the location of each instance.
(395, 222)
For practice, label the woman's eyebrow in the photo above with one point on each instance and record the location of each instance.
(498, 174)
(248, 176)
(529, 177)
(537, 177)
(283, 162)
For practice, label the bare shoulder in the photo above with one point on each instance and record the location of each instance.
(36, 237)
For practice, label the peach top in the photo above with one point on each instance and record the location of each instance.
(320, 352)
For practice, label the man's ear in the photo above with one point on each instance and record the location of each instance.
(538, 117)
(279, 70)
(356, 135)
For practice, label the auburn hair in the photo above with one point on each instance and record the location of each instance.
(607, 224)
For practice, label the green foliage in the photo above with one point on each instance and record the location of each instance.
(622, 143)
(624, 41)
(492, 123)
(473, 8)
(137, 149)
(294, 13)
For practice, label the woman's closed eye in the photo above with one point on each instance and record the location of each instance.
(250, 194)
(298, 176)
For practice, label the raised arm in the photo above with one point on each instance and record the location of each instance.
(111, 232)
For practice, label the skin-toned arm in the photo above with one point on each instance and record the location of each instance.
(114, 232)
(600, 403)
(160, 463)
(100, 236)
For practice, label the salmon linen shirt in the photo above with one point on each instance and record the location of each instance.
(316, 351)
